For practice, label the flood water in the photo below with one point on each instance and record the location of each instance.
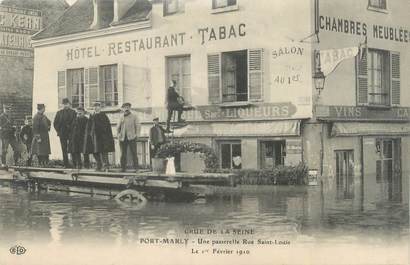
(298, 214)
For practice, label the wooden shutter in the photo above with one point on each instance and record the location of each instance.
(214, 78)
(255, 74)
(120, 84)
(91, 86)
(361, 79)
(61, 86)
(395, 78)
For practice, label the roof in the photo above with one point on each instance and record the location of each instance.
(79, 17)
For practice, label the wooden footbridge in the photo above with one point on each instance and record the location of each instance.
(141, 185)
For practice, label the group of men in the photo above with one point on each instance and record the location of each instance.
(81, 136)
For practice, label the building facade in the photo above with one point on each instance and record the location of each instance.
(360, 130)
(228, 64)
(19, 19)
(246, 67)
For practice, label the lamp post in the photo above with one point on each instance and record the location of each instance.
(318, 77)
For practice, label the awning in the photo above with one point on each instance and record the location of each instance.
(368, 129)
(236, 129)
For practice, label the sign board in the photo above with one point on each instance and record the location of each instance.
(16, 27)
(312, 177)
(357, 113)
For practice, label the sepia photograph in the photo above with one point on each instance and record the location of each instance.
(174, 132)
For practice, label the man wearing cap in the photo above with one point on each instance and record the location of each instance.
(7, 135)
(127, 132)
(63, 124)
(156, 137)
(78, 138)
(99, 139)
(26, 136)
(41, 140)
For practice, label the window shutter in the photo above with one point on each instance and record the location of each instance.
(61, 86)
(91, 86)
(395, 78)
(362, 81)
(255, 74)
(214, 78)
(120, 84)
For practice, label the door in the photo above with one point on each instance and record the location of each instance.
(345, 174)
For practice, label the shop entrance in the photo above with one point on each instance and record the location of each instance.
(388, 168)
(272, 154)
(345, 174)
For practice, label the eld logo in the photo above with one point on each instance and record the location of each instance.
(17, 250)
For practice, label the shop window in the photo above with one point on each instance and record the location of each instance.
(380, 4)
(230, 154)
(179, 69)
(345, 174)
(272, 154)
(173, 7)
(378, 78)
(75, 86)
(109, 85)
(223, 3)
(235, 76)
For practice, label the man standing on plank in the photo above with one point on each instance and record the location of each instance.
(63, 123)
(7, 135)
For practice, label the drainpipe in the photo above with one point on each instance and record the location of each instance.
(361, 174)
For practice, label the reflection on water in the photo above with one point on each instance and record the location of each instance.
(300, 214)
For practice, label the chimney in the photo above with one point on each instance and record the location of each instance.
(103, 13)
(121, 7)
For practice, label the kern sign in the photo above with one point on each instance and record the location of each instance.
(16, 27)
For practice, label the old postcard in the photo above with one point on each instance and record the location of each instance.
(204, 132)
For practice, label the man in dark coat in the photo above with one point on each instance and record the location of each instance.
(41, 140)
(7, 135)
(78, 138)
(156, 137)
(174, 103)
(99, 139)
(63, 123)
(26, 136)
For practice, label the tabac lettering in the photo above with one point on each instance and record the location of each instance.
(222, 33)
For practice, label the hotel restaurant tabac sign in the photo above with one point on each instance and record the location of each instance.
(16, 27)
(357, 113)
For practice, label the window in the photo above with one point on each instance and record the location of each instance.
(173, 6)
(222, 3)
(378, 78)
(272, 154)
(230, 154)
(179, 69)
(86, 85)
(143, 154)
(381, 4)
(75, 86)
(109, 85)
(235, 76)
(384, 163)
(345, 174)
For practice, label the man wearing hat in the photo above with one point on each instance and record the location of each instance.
(156, 137)
(127, 132)
(99, 140)
(174, 103)
(78, 138)
(26, 136)
(41, 140)
(7, 135)
(63, 124)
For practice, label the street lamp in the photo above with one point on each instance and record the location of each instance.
(318, 77)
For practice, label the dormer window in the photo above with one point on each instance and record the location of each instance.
(378, 4)
(222, 3)
(173, 6)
